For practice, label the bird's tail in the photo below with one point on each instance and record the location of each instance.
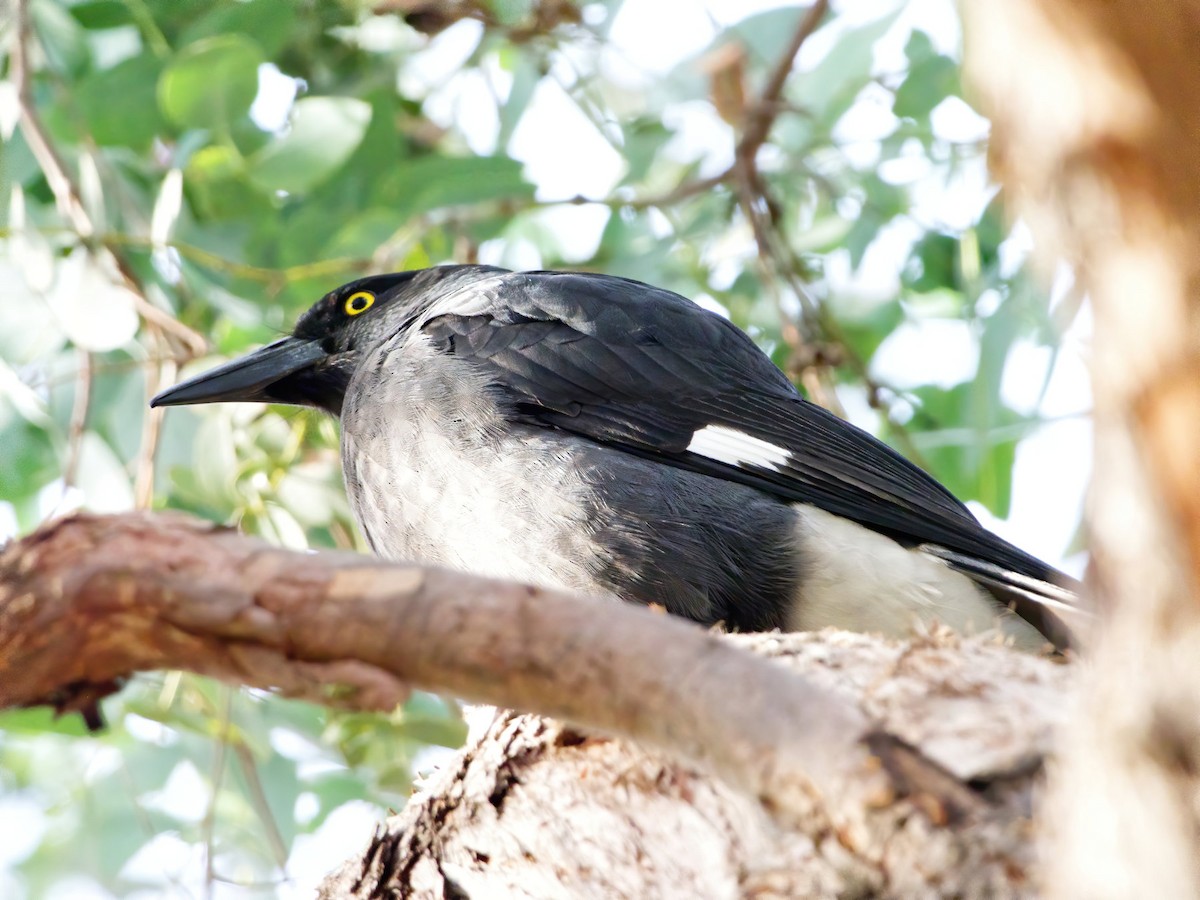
(1050, 606)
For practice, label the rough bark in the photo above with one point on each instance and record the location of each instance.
(533, 809)
(1096, 113)
(892, 766)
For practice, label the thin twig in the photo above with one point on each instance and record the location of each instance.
(761, 116)
(143, 484)
(193, 344)
(777, 259)
(759, 209)
(262, 808)
(275, 278)
(79, 411)
(756, 203)
(217, 773)
(67, 195)
(99, 367)
(683, 191)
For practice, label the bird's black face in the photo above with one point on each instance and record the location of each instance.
(314, 365)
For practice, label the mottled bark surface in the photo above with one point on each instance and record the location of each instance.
(1096, 112)
(533, 809)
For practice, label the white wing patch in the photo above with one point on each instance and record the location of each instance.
(735, 448)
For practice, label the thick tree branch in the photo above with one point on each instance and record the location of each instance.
(533, 808)
(89, 600)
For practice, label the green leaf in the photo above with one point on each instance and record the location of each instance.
(102, 477)
(118, 397)
(281, 528)
(216, 185)
(100, 14)
(211, 83)
(17, 164)
(833, 83)
(94, 308)
(865, 322)
(766, 34)
(886, 199)
(332, 791)
(862, 232)
(363, 234)
(281, 787)
(61, 37)
(29, 460)
(918, 48)
(991, 231)
(433, 182)
(825, 235)
(41, 720)
(510, 12)
(29, 330)
(933, 263)
(118, 104)
(269, 23)
(324, 132)
(644, 138)
(214, 461)
(970, 440)
(526, 74)
(926, 85)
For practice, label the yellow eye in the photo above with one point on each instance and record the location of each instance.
(359, 302)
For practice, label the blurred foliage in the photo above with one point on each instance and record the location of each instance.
(235, 160)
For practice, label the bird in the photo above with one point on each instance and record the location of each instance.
(592, 433)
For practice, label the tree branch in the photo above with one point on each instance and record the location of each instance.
(79, 413)
(761, 116)
(89, 600)
(825, 346)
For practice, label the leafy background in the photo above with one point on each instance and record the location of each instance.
(228, 162)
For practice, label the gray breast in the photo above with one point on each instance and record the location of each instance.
(436, 476)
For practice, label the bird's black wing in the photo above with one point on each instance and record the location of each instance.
(627, 364)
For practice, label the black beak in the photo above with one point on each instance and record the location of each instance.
(249, 378)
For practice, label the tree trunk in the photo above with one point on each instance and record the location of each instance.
(1096, 112)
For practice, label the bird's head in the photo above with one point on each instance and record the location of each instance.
(313, 366)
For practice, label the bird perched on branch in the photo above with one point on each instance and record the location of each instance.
(593, 433)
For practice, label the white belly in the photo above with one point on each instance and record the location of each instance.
(864, 581)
